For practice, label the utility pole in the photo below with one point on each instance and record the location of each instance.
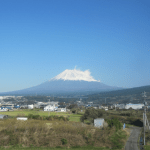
(144, 126)
(144, 114)
(49, 108)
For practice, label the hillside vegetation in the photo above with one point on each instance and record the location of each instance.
(55, 133)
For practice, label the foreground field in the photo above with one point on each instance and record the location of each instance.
(44, 133)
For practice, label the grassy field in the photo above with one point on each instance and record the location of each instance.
(26, 112)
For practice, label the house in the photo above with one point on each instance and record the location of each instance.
(96, 106)
(8, 106)
(105, 107)
(88, 105)
(40, 105)
(30, 106)
(120, 106)
(55, 104)
(3, 109)
(50, 108)
(36, 106)
(62, 108)
(111, 107)
(16, 106)
(24, 106)
(3, 116)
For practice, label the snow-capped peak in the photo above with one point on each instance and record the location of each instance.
(75, 75)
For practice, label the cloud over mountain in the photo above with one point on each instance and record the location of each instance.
(75, 75)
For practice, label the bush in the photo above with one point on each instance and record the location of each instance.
(117, 140)
(64, 141)
(48, 118)
(31, 116)
(36, 117)
(114, 122)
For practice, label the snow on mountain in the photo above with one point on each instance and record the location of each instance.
(75, 75)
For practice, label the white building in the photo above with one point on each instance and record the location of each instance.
(30, 106)
(1, 97)
(6, 97)
(40, 103)
(55, 104)
(134, 106)
(50, 108)
(61, 110)
(120, 106)
(3, 109)
(99, 122)
(36, 106)
(22, 118)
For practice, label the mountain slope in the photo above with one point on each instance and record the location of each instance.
(68, 81)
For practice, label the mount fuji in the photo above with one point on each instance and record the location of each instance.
(68, 81)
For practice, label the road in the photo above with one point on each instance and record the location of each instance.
(132, 141)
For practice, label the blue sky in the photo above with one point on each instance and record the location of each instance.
(40, 39)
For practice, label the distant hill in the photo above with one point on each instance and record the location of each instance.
(124, 92)
(131, 95)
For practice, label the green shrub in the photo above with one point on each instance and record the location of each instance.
(117, 140)
(36, 117)
(114, 122)
(49, 118)
(64, 141)
(30, 116)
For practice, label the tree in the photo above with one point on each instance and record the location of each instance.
(73, 106)
(91, 114)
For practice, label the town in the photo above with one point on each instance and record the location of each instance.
(10, 103)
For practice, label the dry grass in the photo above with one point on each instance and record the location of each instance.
(49, 134)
